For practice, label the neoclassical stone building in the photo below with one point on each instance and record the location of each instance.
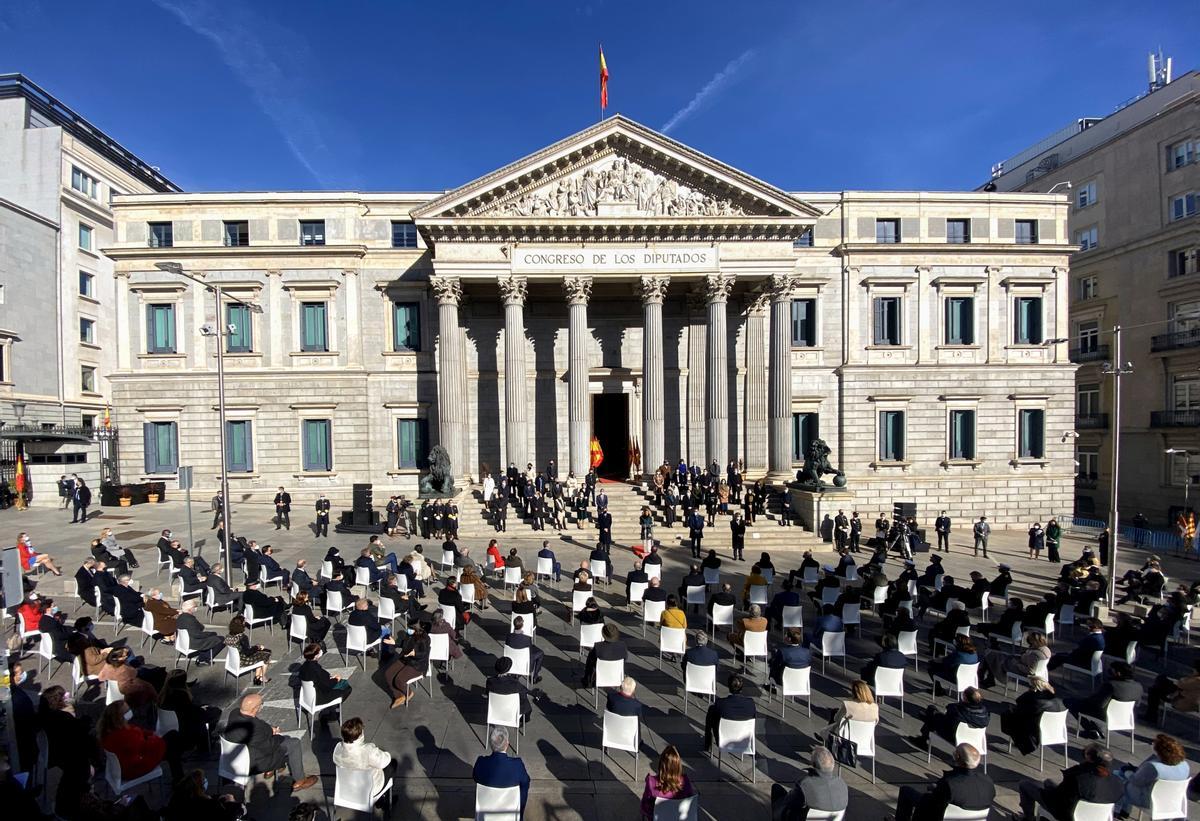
(616, 284)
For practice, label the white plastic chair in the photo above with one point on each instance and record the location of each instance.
(234, 666)
(754, 645)
(599, 571)
(758, 595)
(721, 616)
(334, 606)
(907, 641)
(701, 680)
(520, 661)
(810, 576)
(652, 613)
(796, 681)
(696, 595)
(862, 733)
(165, 721)
(297, 631)
(545, 567)
(1041, 669)
(878, 597)
(112, 692)
(234, 764)
(387, 610)
(653, 571)
(852, 617)
(589, 634)
(112, 774)
(832, 644)
(1088, 811)
(793, 616)
(889, 682)
(354, 790)
(671, 640)
(497, 803)
(210, 601)
(1168, 800)
(609, 673)
(528, 628)
(712, 576)
(1130, 654)
(1066, 616)
(956, 813)
(504, 710)
(77, 676)
(252, 621)
(621, 733)
(362, 577)
(737, 738)
(579, 601)
(439, 650)
(512, 577)
(356, 642)
(148, 631)
(307, 705)
(965, 675)
(326, 570)
(1095, 669)
(829, 596)
(818, 815)
(1119, 717)
(45, 652)
(681, 809)
(637, 593)
(447, 560)
(975, 736)
(1052, 730)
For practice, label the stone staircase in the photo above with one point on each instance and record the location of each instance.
(625, 501)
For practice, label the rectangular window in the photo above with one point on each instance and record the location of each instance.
(312, 327)
(891, 436)
(804, 323)
(1026, 232)
(162, 447)
(89, 421)
(887, 320)
(1087, 288)
(239, 450)
(84, 183)
(1185, 394)
(1087, 400)
(887, 231)
(406, 326)
(805, 240)
(85, 237)
(237, 234)
(958, 231)
(87, 379)
(1181, 261)
(960, 320)
(1184, 206)
(1032, 433)
(1089, 336)
(87, 330)
(312, 232)
(1185, 317)
(1086, 195)
(412, 437)
(1181, 154)
(87, 284)
(805, 428)
(1089, 464)
(317, 443)
(404, 235)
(240, 330)
(161, 234)
(1087, 238)
(1028, 329)
(160, 328)
(962, 434)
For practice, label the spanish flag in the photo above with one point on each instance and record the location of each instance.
(596, 452)
(603, 81)
(107, 416)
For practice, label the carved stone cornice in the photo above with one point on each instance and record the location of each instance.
(513, 289)
(779, 287)
(653, 289)
(716, 288)
(448, 290)
(578, 289)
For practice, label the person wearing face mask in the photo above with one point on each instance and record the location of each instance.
(138, 751)
(69, 745)
(190, 801)
(24, 714)
(30, 558)
(328, 687)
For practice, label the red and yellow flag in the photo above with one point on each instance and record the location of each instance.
(597, 452)
(20, 477)
(107, 416)
(603, 81)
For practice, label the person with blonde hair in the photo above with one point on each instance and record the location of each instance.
(667, 781)
(861, 706)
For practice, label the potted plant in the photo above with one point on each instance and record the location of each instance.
(152, 497)
(126, 498)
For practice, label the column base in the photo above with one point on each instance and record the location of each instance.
(780, 477)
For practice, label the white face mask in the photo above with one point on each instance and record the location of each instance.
(129, 715)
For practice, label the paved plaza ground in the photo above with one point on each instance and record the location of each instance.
(436, 740)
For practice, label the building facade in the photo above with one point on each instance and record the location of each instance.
(615, 285)
(1135, 195)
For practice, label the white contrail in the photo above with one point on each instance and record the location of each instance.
(714, 86)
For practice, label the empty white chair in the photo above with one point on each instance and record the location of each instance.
(698, 679)
(354, 789)
(497, 803)
(447, 560)
(737, 738)
(165, 721)
(504, 710)
(793, 616)
(637, 592)
(862, 733)
(609, 673)
(758, 595)
(512, 577)
(306, 704)
(1052, 730)
(681, 809)
(907, 641)
(652, 613)
(545, 567)
(1066, 616)
(1118, 716)
(889, 681)
(112, 774)
(878, 597)
(754, 645)
(721, 616)
(356, 642)
(796, 681)
(965, 675)
(621, 733)
(671, 640)
(589, 634)
(387, 609)
(712, 576)
(234, 666)
(439, 650)
(334, 605)
(832, 644)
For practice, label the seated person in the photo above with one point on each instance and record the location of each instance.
(700, 655)
(1167, 763)
(328, 687)
(791, 655)
(964, 652)
(264, 606)
(946, 629)
(610, 648)
(622, 701)
(590, 614)
(889, 657)
(1021, 721)
(1182, 694)
(722, 598)
(970, 710)
(364, 615)
(269, 750)
(829, 622)
(316, 627)
(353, 753)
(819, 788)
(787, 597)
(1081, 654)
(964, 786)
(1090, 780)
(752, 623)
(519, 641)
(674, 615)
(1119, 685)
(998, 664)
(734, 707)
(504, 683)
(500, 769)
(1013, 615)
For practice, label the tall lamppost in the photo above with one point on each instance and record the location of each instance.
(1116, 369)
(220, 330)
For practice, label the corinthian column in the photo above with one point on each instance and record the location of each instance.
(716, 405)
(755, 413)
(579, 291)
(513, 291)
(452, 400)
(779, 393)
(653, 290)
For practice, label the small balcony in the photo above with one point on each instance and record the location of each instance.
(1091, 421)
(1175, 340)
(1175, 419)
(1089, 353)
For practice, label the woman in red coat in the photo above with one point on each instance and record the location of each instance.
(493, 550)
(139, 751)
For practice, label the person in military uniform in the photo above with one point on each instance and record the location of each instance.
(322, 507)
(604, 525)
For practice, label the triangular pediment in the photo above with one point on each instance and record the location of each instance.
(613, 170)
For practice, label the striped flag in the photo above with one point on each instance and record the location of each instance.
(603, 81)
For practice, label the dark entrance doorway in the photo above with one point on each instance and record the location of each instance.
(610, 425)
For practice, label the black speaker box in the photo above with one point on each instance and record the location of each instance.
(905, 509)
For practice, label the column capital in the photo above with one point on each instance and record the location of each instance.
(448, 290)
(578, 289)
(653, 289)
(513, 289)
(756, 301)
(716, 288)
(779, 287)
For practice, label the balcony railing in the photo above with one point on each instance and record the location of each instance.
(1093, 353)
(1175, 419)
(1176, 339)
(1091, 421)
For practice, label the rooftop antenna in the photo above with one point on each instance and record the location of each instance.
(1160, 70)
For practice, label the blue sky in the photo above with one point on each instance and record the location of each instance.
(305, 94)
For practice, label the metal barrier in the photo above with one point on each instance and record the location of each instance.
(1137, 537)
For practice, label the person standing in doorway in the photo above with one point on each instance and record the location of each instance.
(982, 531)
(322, 507)
(941, 526)
(283, 509)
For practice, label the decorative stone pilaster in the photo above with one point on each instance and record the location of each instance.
(578, 290)
(653, 291)
(123, 353)
(755, 412)
(452, 400)
(779, 394)
(513, 292)
(694, 446)
(716, 289)
(353, 308)
(275, 328)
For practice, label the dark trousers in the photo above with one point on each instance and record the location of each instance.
(943, 542)
(323, 527)
(289, 749)
(282, 519)
(855, 535)
(78, 513)
(1161, 690)
(1032, 792)
(908, 801)
(696, 546)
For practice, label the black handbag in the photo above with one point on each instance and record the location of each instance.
(845, 751)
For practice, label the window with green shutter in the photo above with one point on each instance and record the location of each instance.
(412, 438)
(241, 330)
(960, 320)
(312, 327)
(804, 323)
(160, 329)
(239, 452)
(891, 436)
(1032, 433)
(805, 428)
(962, 434)
(317, 445)
(406, 326)
(887, 320)
(161, 440)
(1028, 330)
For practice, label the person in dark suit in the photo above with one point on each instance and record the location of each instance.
(700, 655)
(610, 648)
(306, 583)
(693, 578)
(1091, 780)
(787, 597)
(695, 523)
(85, 577)
(263, 604)
(364, 615)
(819, 788)
(622, 701)
(604, 522)
(192, 581)
(519, 641)
(53, 624)
(941, 526)
(1119, 685)
(829, 622)
(269, 750)
(503, 683)
(889, 657)
(970, 710)
(722, 598)
(1081, 654)
(735, 707)
(328, 687)
(964, 786)
(202, 641)
(500, 769)
(737, 530)
(106, 587)
(252, 564)
(1022, 720)
(600, 554)
(69, 746)
(270, 567)
(283, 509)
(131, 601)
(316, 627)
(999, 585)
(793, 655)
(635, 576)
(222, 593)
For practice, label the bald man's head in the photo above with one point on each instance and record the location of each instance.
(251, 704)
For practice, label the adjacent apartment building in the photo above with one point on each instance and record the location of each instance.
(1135, 196)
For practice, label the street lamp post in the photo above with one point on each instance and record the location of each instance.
(219, 331)
(1116, 370)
